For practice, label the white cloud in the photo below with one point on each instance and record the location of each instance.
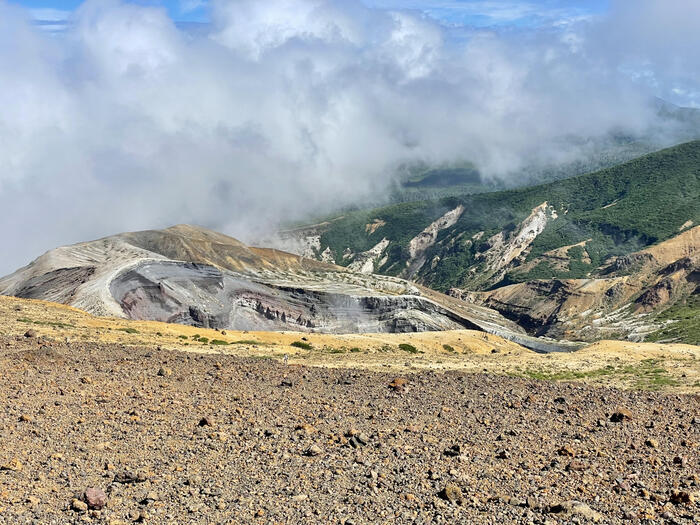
(287, 107)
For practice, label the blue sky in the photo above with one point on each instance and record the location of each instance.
(450, 12)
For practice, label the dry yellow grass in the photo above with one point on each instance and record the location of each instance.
(618, 363)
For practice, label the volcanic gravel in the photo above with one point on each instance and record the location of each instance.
(108, 434)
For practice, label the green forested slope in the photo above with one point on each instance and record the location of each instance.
(622, 209)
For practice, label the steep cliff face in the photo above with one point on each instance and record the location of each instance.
(421, 243)
(203, 295)
(563, 230)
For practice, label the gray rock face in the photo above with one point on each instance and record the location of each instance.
(206, 296)
(56, 286)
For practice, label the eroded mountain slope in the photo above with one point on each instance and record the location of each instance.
(194, 276)
(622, 299)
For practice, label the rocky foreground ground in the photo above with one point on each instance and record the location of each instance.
(108, 434)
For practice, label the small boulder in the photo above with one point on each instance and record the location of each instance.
(313, 450)
(567, 450)
(78, 506)
(680, 497)
(576, 466)
(128, 476)
(453, 451)
(14, 465)
(578, 509)
(620, 415)
(399, 384)
(452, 493)
(95, 498)
(305, 428)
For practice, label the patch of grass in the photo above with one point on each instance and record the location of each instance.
(46, 323)
(651, 376)
(159, 334)
(646, 375)
(218, 342)
(355, 350)
(182, 337)
(409, 348)
(568, 375)
(302, 345)
(685, 327)
(203, 340)
(336, 350)
(449, 348)
(128, 330)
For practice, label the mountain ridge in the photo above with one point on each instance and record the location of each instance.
(195, 276)
(571, 229)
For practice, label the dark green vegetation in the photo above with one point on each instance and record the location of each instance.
(684, 325)
(617, 210)
(302, 345)
(409, 348)
(128, 330)
(434, 183)
(218, 342)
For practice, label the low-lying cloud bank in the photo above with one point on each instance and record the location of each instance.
(282, 108)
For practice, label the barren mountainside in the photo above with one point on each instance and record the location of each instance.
(194, 276)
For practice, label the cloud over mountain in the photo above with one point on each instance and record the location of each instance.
(285, 107)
